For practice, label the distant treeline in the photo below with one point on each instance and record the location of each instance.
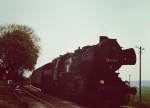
(145, 83)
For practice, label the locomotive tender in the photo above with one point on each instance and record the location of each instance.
(88, 75)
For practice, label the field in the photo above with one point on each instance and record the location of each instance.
(134, 101)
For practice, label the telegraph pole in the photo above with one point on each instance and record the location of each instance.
(129, 80)
(140, 96)
(140, 51)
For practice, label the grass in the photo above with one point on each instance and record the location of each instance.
(7, 99)
(134, 101)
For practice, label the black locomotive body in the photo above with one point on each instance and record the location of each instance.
(88, 75)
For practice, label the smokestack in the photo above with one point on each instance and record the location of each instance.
(102, 38)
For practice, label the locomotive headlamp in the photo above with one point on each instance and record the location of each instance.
(101, 82)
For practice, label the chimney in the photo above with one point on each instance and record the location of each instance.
(102, 38)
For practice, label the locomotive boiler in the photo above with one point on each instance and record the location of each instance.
(88, 75)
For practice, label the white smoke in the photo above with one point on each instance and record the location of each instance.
(27, 73)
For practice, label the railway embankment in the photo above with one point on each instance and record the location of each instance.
(38, 95)
(30, 97)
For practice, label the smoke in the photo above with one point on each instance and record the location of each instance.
(27, 73)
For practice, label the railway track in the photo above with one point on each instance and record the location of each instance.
(30, 97)
(35, 96)
(40, 99)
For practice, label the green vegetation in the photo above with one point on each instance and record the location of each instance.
(145, 99)
(19, 50)
(7, 99)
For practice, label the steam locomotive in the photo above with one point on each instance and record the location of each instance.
(89, 75)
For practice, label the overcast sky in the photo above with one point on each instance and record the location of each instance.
(63, 25)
